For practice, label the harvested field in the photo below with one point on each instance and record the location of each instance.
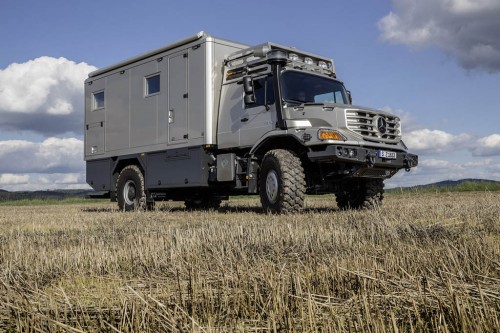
(420, 263)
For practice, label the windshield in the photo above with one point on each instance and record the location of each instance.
(302, 87)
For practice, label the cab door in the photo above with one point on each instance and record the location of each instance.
(260, 117)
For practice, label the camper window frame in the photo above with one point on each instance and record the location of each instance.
(95, 105)
(146, 84)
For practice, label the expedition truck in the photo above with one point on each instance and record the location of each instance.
(205, 118)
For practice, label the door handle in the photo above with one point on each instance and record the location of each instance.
(244, 120)
(171, 116)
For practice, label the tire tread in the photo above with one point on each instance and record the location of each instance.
(293, 184)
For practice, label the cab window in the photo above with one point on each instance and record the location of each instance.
(264, 92)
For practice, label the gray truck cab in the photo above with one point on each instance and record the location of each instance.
(293, 101)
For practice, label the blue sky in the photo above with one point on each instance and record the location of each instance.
(436, 63)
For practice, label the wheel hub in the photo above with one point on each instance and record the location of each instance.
(272, 186)
(129, 192)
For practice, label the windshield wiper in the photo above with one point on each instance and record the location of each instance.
(295, 101)
(303, 102)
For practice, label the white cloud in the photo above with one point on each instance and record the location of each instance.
(60, 178)
(13, 179)
(467, 30)
(408, 122)
(60, 107)
(55, 163)
(487, 146)
(52, 155)
(436, 164)
(43, 181)
(428, 142)
(44, 95)
(470, 6)
(446, 156)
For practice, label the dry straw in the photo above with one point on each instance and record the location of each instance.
(419, 263)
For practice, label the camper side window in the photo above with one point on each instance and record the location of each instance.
(152, 84)
(98, 100)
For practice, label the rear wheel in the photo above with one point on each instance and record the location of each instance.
(361, 194)
(130, 189)
(282, 183)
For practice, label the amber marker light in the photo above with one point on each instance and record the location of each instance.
(324, 134)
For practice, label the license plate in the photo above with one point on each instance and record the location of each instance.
(387, 154)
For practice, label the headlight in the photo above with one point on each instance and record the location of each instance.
(293, 57)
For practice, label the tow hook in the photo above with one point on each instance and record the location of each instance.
(408, 163)
(370, 159)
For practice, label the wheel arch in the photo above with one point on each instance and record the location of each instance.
(285, 141)
(121, 162)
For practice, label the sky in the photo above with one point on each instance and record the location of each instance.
(434, 63)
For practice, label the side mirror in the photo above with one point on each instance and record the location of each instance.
(349, 96)
(248, 89)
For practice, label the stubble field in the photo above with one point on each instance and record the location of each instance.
(419, 263)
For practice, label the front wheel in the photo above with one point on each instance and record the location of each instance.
(130, 189)
(282, 183)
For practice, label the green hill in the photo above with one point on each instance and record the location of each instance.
(43, 195)
(462, 185)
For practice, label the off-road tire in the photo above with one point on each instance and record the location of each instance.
(130, 189)
(203, 203)
(361, 194)
(282, 184)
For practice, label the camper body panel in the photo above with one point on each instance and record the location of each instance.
(125, 115)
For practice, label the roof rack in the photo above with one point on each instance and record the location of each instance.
(245, 60)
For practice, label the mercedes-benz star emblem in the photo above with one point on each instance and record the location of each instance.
(381, 125)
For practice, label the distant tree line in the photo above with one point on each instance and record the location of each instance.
(43, 195)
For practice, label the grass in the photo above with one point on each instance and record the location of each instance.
(422, 262)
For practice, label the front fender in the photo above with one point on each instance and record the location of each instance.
(283, 139)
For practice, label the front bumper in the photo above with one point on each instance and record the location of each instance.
(363, 161)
